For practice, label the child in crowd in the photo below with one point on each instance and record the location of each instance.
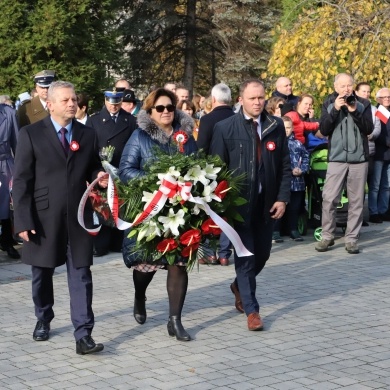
(299, 158)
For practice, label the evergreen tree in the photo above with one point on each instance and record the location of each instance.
(74, 38)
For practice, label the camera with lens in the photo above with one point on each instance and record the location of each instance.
(350, 100)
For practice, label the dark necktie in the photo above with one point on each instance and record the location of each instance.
(258, 141)
(64, 141)
(113, 117)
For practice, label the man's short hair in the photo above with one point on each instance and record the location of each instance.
(336, 79)
(222, 94)
(246, 82)
(380, 91)
(57, 85)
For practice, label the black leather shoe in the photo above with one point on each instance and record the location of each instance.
(41, 331)
(175, 328)
(13, 253)
(87, 345)
(99, 253)
(139, 310)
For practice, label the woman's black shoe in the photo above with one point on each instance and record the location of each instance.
(175, 328)
(140, 310)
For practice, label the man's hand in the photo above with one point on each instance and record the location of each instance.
(277, 210)
(339, 102)
(24, 235)
(104, 181)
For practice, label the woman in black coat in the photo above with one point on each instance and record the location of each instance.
(158, 122)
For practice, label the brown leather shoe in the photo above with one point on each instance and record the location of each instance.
(211, 260)
(236, 293)
(223, 261)
(255, 322)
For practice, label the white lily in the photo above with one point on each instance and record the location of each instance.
(196, 174)
(211, 172)
(148, 196)
(149, 230)
(195, 210)
(172, 221)
(208, 192)
(173, 172)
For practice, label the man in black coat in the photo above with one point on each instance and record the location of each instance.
(221, 99)
(254, 143)
(55, 157)
(114, 127)
(283, 90)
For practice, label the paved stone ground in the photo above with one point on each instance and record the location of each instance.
(327, 326)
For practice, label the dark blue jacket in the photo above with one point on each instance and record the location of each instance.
(139, 149)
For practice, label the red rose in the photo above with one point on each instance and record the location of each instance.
(167, 245)
(220, 190)
(210, 227)
(190, 237)
(188, 250)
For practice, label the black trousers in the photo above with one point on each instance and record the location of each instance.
(257, 238)
(80, 292)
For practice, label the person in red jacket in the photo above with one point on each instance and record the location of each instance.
(300, 126)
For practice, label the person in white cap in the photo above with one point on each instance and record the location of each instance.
(36, 109)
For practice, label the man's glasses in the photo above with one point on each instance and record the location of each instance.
(384, 97)
(161, 108)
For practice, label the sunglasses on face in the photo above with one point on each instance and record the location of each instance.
(161, 108)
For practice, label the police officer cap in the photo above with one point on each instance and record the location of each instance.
(114, 96)
(129, 96)
(44, 78)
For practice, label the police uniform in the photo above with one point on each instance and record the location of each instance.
(115, 133)
(32, 110)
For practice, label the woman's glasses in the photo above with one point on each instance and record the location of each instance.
(161, 108)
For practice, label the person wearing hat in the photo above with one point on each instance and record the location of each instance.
(130, 103)
(36, 109)
(114, 127)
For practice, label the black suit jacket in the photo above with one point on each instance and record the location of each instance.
(47, 189)
(113, 133)
(207, 123)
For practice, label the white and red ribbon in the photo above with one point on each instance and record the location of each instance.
(169, 188)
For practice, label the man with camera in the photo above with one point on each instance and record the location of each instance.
(346, 120)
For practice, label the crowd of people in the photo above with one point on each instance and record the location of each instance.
(267, 141)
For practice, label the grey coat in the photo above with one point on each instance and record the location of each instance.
(8, 136)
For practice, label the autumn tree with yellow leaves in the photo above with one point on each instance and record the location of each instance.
(350, 36)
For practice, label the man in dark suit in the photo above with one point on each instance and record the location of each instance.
(253, 143)
(35, 109)
(55, 157)
(221, 99)
(114, 127)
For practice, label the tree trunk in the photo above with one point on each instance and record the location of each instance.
(189, 58)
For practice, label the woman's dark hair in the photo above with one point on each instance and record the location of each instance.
(188, 103)
(151, 99)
